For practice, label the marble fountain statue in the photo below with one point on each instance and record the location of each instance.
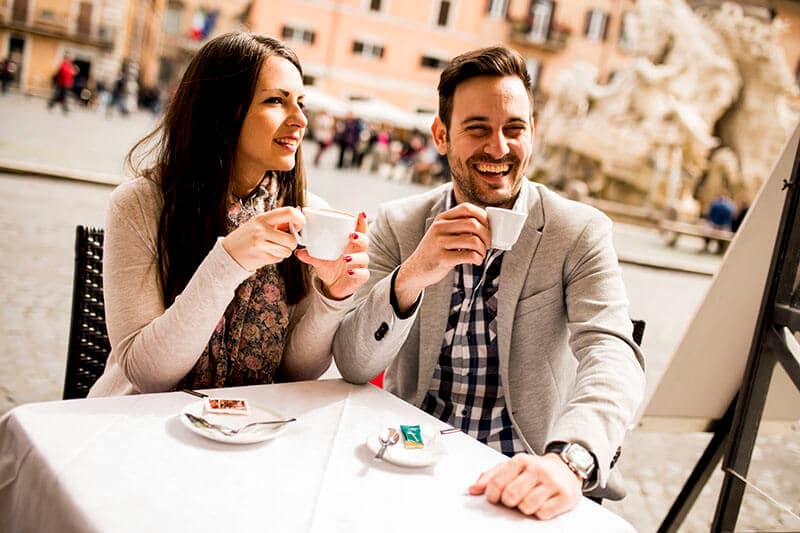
(703, 109)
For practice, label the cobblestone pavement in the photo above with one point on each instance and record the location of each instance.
(37, 223)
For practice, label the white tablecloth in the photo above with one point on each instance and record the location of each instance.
(128, 464)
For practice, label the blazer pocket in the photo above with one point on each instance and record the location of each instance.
(540, 299)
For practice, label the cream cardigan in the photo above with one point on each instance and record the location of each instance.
(153, 348)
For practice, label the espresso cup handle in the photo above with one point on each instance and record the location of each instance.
(298, 235)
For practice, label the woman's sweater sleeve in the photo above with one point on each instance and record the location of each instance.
(156, 347)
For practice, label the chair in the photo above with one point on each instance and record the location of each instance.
(88, 339)
(638, 335)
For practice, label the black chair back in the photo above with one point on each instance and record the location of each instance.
(638, 331)
(88, 339)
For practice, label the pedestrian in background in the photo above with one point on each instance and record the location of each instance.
(323, 129)
(119, 93)
(63, 80)
(201, 283)
(8, 72)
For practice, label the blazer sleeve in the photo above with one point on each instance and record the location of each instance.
(609, 385)
(372, 334)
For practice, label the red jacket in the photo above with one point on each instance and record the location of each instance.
(66, 74)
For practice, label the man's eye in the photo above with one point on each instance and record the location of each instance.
(514, 131)
(477, 130)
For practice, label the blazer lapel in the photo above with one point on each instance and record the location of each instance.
(433, 314)
(516, 265)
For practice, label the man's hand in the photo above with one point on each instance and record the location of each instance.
(343, 276)
(265, 238)
(542, 486)
(458, 236)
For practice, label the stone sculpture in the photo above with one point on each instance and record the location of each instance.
(647, 136)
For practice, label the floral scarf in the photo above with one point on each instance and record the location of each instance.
(247, 345)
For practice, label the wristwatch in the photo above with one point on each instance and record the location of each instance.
(577, 458)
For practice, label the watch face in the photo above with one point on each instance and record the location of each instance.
(579, 457)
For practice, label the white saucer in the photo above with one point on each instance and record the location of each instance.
(411, 457)
(248, 436)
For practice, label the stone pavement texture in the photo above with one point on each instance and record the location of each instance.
(37, 223)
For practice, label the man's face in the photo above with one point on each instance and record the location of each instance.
(489, 142)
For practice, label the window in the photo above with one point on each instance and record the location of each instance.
(797, 72)
(367, 49)
(626, 31)
(431, 61)
(298, 35)
(534, 71)
(596, 25)
(172, 20)
(497, 9)
(375, 5)
(542, 19)
(443, 18)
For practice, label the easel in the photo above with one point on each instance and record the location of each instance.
(734, 435)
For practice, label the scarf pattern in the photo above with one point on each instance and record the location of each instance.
(247, 345)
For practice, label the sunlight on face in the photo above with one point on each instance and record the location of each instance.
(489, 142)
(274, 124)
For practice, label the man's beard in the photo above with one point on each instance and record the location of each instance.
(474, 189)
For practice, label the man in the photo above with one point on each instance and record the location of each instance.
(528, 350)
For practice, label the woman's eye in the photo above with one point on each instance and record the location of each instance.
(274, 100)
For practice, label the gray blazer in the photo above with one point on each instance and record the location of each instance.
(569, 366)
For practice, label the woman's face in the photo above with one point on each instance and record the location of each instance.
(274, 123)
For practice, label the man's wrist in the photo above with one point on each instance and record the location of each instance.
(404, 299)
(578, 459)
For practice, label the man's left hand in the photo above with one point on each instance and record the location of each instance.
(541, 486)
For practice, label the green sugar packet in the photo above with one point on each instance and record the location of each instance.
(412, 437)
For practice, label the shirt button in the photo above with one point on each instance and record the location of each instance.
(463, 412)
(380, 333)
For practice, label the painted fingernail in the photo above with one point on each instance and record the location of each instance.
(354, 236)
(351, 272)
(347, 259)
(363, 214)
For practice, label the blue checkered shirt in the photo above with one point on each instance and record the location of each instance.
(466, 390)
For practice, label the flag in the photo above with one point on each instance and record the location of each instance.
(202, 24)
(198, 23)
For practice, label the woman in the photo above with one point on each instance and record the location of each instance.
(202, 283)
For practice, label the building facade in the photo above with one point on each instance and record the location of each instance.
(186, 25)
(101, 35)
(394, 49)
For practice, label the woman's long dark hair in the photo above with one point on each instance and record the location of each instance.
(193, 150)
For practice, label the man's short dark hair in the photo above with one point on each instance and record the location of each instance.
(493, 61)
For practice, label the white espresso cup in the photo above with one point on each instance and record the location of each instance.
(505, 226)
(326, 232)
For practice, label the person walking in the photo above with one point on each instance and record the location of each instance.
(63, 80)
(8, 72)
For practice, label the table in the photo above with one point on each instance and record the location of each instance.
(129, 464)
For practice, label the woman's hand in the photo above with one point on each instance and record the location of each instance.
(343, 276)
(264, 239)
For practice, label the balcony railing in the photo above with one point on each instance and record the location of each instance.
(554, 40)
(103, 38)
